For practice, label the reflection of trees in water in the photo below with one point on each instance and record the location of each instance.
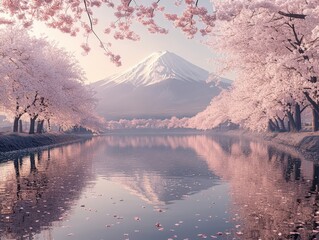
(39, 188)
(275, 193)
(269, 188)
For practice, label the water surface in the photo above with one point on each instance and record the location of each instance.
(159, 187)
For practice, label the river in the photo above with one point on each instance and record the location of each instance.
(158, 187)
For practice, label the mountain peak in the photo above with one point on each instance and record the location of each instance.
(158, 67)
(161, 52)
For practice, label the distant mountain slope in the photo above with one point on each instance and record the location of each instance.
(156, 68)
(162, 85)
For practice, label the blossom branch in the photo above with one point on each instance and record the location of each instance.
(113, 58)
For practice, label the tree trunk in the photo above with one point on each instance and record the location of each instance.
(288, 126)
(15, 124)
(282, 124)
(49, 125)
(314, 104)
(32, 125)
(292, 123)
(271, 126)
(20, 126)
(40, 126)
(315, 120)
(277, 124)
(298, 117)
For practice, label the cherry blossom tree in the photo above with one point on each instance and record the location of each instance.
(19, 67)
(273, 44)
(170, 123)
(80, 17)
(41, 81)
(66, 100)
(274, 47)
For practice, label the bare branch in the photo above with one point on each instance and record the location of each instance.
(307, 105)
(293, 15)
(312, 102)
(289, 49)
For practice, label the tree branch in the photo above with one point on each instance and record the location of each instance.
(293, 15)
(304, 108)
(92, 29)
(312, 102)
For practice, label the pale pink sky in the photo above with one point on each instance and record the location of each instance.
(97, 66)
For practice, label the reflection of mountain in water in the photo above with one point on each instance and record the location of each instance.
(275, 194)
(38, 189)
(156, 173)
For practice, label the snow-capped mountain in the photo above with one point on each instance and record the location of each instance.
(162, 85)
(158, 67)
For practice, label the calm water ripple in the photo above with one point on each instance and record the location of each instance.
(158, 188)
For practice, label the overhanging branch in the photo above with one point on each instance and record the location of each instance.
(92, 29)
(293, 15)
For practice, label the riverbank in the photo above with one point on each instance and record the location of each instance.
(11, 143)
(306, 143)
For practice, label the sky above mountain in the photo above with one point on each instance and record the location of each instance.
(97, 66)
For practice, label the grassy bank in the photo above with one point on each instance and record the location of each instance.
(11, 142)
(306, 143)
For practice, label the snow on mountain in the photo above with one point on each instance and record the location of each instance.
(158, 67)
(162, 85)
(154, 189)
